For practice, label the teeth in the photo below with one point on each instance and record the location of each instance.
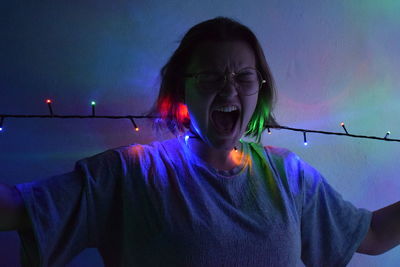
(227, 108)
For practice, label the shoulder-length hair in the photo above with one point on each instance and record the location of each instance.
(169, 106)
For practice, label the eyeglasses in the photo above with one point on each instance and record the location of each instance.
(248, 81)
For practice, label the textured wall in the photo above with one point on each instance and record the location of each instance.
(333, 61)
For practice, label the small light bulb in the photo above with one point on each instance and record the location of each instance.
(186, 139)
(305, 138)
(93, 108)
(344, 127)
(134, 124)
(48, 101)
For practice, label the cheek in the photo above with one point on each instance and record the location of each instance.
(250, 106)
(198, 107)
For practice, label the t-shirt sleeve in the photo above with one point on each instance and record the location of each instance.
(331, 228)
(69, 212)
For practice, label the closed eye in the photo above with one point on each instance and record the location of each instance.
(247, 77)
(210, 77)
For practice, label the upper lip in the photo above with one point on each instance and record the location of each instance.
(225, 105)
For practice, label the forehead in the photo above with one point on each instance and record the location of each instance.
(229, 55)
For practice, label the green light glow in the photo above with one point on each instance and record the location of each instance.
(93, 103)
(257, 123)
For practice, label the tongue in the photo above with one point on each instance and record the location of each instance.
(224, 121)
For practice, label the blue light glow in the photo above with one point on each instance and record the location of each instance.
(305, 139)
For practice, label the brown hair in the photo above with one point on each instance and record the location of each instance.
(171, 93)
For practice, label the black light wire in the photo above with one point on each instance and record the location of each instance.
(131, 117)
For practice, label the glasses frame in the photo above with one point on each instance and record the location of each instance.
(233, 74)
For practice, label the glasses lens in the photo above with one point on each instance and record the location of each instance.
(210, 82)
(248, 81)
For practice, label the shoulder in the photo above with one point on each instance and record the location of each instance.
(124, 159)
(288, 166)
(143, 153)
(280, 153)
(280, 157)
(122, 153)
(294, 167)
(290, 160)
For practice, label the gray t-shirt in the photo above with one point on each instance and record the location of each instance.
(160, 205)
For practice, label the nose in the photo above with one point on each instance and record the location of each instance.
(229, 89)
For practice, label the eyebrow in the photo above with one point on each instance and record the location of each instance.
(218, 71)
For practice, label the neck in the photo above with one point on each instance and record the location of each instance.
(221, 159)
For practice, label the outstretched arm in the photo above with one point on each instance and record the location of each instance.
(13, 215)
(384, 231)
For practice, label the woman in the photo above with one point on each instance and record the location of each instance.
(204, 198)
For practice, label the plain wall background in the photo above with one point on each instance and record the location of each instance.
(333, 61)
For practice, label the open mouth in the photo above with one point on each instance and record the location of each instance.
(223, 121)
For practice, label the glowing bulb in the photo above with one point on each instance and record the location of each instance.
(1, 123)
(305, 138)
(48, 101)
(134, 124)
(186, 138)
(93, 108)
(344, 127)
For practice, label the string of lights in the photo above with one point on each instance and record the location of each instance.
(135, 126)
(305, 131)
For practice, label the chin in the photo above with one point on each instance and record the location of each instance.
(224, 144)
